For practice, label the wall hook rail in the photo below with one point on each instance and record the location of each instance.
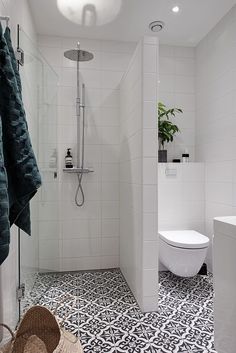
(5, 18)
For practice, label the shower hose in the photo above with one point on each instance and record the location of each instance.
(79, 189)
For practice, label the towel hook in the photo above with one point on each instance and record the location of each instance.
(5, 18)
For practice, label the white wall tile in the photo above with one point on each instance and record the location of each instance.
(150, 284)
(150, 254)
(110, 209)
(215, 144)
(114, 61)
(110, 228)
(138, 140)
(82, 263)
(150, 171)
(53, 55)
(48, 229)
(111, 79)
(49, 41)
(110, 191)
(110, 172)
(150, 86)
(75, 248)
(150, 226)
(150, 58)
(149, 198)
(110, 262)
(177, 89)
(149, 112)
(167, 65)
(184, 66)
(110, 246)
(49, 249)
(149, 143)
(181, 199)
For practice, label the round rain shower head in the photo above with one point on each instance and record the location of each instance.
(78, 55)
(156, 26)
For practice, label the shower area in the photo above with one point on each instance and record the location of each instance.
(98, 99)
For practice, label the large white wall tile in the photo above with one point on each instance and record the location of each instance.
(82, 229)
(177, 89)
(181, 197)
(138, 172)
(215, 123)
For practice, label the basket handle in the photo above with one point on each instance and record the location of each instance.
(9, 329)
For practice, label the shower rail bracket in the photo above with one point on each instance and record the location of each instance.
(20, 292)
(20, 56)
(78, 170)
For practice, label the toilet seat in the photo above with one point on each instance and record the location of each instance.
(186, 239)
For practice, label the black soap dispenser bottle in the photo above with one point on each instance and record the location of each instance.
(68, 159)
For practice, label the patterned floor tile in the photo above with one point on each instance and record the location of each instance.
(99, 308)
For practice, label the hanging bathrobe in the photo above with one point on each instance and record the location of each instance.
(19, 160)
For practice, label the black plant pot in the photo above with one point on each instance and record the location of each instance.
(162, 156)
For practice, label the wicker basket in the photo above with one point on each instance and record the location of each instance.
(39, 321)
(35, 345)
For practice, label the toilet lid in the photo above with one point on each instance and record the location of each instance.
(188, 239)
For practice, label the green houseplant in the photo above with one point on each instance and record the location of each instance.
(166, 128)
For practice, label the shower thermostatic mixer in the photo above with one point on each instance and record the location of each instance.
(75, 170)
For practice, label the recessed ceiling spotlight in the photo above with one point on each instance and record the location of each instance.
(175, 9)
(156, 26)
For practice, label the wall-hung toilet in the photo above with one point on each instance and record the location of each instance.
(182, 251)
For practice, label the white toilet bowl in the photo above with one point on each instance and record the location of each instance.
(183, 251)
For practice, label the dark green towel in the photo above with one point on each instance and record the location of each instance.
(7, 36)
(20, 163)
(4, 206)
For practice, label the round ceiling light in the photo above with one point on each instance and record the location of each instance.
(90, 12)
(175, 9)
(156, 26)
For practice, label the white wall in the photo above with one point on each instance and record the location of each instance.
(177, 89)
(216, 117)
(88, 236)
(181, 197)
(19, 12)
(138, 175)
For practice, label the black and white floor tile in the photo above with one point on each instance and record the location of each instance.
(100, 308)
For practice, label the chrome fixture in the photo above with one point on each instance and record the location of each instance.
(79, 55)
(156, 26)
(5, 18)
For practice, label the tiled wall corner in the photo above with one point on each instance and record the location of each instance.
(149, 173)
(138, 168)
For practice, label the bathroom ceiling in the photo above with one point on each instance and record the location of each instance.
(194, 20)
